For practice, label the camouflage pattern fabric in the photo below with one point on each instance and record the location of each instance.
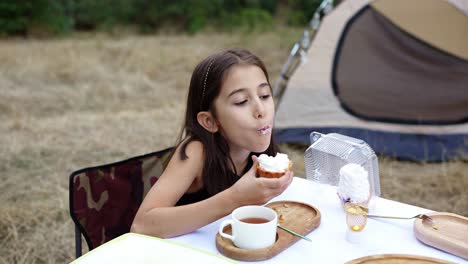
(105, 199)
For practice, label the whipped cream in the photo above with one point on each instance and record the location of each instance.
(354, 183)
(279, 163)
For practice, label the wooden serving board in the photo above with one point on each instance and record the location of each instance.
(299, 217)
(450, 233)
(397, 259)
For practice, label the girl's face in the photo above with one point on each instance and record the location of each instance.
(245, 109)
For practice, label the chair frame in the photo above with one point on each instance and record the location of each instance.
(79, 229)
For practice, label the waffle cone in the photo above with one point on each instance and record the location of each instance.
(271, 174)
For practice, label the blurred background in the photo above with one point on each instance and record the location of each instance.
(85, 82)
(41, 18)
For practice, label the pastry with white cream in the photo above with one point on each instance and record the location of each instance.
(273, 167)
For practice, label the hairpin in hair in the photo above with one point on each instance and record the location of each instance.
(206, 77)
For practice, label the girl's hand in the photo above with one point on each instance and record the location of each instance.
(250, 190)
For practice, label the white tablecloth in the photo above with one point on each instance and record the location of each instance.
(134, 248)
(380, 236)
(329, 243)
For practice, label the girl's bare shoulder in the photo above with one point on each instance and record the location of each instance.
(180, 176)
(194, 151)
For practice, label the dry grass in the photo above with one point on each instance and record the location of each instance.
(88, 100)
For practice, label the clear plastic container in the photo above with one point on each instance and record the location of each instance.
(328, 153)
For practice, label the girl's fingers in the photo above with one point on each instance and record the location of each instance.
(278, 183)
(254, 158)
(288, 177)
(253, 170)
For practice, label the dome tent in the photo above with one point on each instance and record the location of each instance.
(391, 72)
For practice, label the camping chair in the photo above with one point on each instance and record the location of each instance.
(105, 199)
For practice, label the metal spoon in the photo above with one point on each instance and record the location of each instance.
(359, 210)
(294, 233)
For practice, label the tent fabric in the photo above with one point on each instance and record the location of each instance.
(403, 146)
(460, 4)
(367, 83)
(435, 22)
(309, 103)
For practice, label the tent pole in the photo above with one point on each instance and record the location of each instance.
(299, 50)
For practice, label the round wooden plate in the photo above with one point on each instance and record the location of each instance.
(397, 259)
(449, 233)
(300, 217)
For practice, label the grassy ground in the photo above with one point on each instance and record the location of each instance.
(87, 100)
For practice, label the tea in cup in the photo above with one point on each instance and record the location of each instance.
(253, 227)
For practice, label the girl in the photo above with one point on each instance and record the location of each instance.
(228, 122)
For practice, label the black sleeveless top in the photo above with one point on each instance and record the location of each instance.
(202, 194)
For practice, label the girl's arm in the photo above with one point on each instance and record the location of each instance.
(157, 216)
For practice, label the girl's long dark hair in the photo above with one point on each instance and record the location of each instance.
(205, 85)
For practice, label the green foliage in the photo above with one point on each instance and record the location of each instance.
(92, 14)
(49, 18)
(61, 16)
(248, 19)
(202, 13)
(14, 17)
(297, 18)
(152, 14)
(22, 17)
(302, 11)
(269, 5)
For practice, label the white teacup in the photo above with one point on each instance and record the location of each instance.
(253, 227)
